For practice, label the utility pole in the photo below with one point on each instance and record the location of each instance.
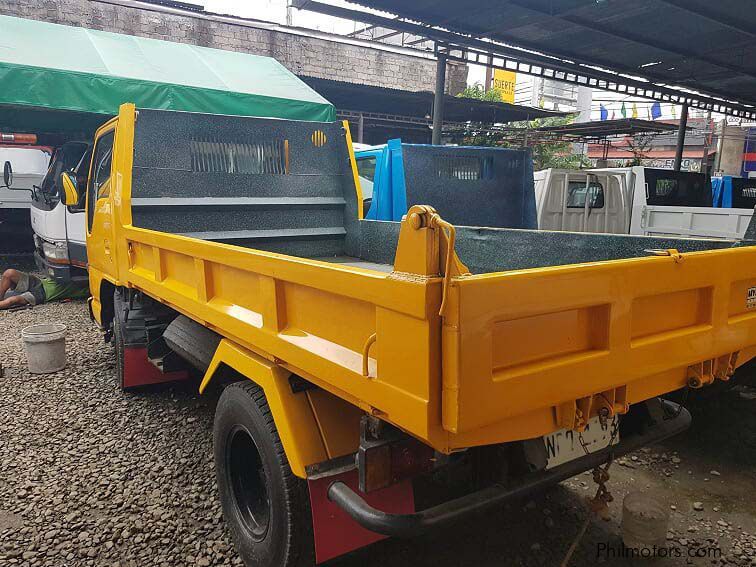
(720, 145)
(707, 140)
(681, 137)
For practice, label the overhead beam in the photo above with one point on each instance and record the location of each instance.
(598, 80)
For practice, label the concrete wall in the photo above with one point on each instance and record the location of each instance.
(309, 56)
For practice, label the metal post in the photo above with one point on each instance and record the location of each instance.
(681, 137)
(720, 145)
(438, 101)
(707, 140)
(489, 74)
(361, 129)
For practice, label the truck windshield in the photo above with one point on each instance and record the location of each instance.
(744, 193)
(577, 192)
(65, 158)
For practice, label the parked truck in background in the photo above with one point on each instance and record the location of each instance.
(634, 200)
(360, 359)
(28, 167)
(731, 192)
(59, 235)
(474, 186)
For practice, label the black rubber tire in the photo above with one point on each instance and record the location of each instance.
(243, 415)
(193, 342)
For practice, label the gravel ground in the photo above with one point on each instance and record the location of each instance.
(91, 476)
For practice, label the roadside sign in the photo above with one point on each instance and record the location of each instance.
(504, 82)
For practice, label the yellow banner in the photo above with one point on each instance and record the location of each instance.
(504, 82)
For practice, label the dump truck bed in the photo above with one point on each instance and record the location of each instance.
(538, 330)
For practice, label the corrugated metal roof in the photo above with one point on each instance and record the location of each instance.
(705, 46)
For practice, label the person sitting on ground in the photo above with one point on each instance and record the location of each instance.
(27, 289)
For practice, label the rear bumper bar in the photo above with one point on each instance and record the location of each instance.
(409, 525)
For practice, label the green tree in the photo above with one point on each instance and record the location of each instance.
(546, 153)
(477, 91)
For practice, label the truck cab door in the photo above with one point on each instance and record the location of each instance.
(99, 211)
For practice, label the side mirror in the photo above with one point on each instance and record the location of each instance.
(7, 174)
(70, 196)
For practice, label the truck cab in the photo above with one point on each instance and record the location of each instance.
(582, 201)
(59, 236)
(28, 164)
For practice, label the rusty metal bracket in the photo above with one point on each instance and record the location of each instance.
(576, 414)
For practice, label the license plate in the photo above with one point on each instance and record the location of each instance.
(564, 445)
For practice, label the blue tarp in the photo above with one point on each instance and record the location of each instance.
(721, 191)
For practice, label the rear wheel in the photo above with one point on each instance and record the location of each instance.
(265, 506)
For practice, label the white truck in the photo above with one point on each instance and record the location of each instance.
(59, 234)
(29, 165)
(634, 200)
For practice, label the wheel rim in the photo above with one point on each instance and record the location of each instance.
(248, 483)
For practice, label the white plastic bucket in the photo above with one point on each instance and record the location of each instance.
(45, 347)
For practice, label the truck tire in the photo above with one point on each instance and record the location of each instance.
(265, 506)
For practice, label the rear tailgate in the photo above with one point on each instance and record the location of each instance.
(695, 222)
(550, 341)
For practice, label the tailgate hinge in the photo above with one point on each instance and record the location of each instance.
(576, 414)
(707, 371)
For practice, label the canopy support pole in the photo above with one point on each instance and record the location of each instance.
(438, 101)
(361, 129)
(681, 137)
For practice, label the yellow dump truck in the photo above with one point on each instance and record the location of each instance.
(361, 359)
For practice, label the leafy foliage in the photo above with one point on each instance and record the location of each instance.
(478, 92)
(545, 153)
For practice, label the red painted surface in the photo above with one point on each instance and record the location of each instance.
(139, 371)
(334, 531)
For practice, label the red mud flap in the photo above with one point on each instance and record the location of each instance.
(335, 532)
(139, 371)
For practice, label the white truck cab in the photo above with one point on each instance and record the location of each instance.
(582, 201)
(59, 233)
(634, 200)
(28, 165)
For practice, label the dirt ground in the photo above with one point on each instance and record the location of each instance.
(91, 476)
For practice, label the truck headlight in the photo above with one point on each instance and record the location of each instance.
(55, 252)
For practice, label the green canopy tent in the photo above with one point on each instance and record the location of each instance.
(67, 80)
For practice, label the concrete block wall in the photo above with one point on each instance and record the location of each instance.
(309, 56)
